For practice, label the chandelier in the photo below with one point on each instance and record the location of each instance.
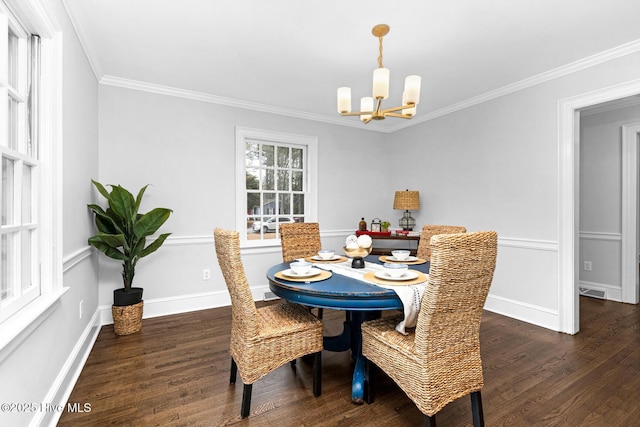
(410, 96)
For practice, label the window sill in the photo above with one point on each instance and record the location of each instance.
(19, 326)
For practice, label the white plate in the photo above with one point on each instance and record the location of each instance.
(313, 272)
(407, 259)
(318, 258)
(409, 275)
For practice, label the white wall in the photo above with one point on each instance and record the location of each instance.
(45, 359)
(601, 198)
(495, 166)
(185, 149)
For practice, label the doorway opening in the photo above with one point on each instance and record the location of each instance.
(608, 192)
(568, 198)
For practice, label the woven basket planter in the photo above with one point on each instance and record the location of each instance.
(127, 319)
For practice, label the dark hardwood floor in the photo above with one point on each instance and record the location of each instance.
(175, 372)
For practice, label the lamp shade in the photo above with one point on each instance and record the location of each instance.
(407, 200)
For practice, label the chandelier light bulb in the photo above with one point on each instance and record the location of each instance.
(412, 89)
(366, 104)
(381, 83)
(408, 111)
(344, 100)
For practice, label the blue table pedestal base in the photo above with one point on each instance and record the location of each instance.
(351, 339)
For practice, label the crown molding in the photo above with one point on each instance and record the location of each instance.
(221, 100)
(85, 42)
(582, 64)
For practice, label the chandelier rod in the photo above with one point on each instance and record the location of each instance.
(380, 56)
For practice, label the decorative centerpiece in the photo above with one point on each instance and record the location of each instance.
(358, 247)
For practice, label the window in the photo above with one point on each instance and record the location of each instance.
(19, 228)
(275, 183)
(30, 194)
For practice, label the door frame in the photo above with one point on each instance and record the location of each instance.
(568, 196)
(630, 238)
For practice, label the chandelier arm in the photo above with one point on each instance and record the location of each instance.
(357, 113)
(392, 109)
(402, 116)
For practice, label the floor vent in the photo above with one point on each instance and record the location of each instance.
(268, 296)
(593, 293)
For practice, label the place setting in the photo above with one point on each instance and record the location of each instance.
(403, 257)
(325, 255)
(303, 271)
(395, 274)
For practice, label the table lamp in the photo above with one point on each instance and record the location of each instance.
(407, 200)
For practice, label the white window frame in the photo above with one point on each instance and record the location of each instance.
(14, 148)
(310, 143)
(36, 17)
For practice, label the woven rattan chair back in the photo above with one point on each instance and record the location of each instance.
(428, 231)
(447, 335)
(243, 308)
(439, 361)
(265, 338)
(299, 240)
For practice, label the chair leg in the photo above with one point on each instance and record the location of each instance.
(430, 421)
(320, 312)
(317, 374)
(368, 382)
(246, 401)
(234, 371)
(476, 409)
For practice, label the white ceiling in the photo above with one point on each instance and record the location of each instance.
(290, 56)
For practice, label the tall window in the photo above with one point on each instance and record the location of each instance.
(275, 182)
(19, 227)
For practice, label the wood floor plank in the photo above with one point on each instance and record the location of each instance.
(175, 372)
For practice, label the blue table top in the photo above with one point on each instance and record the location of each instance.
(338, 291)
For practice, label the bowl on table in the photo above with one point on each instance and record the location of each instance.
(395, 270)
(326, 253)
(400, 255)
(301, 267)
(357, 254)
(354, 252)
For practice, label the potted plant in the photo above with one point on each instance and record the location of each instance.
(122, 233)
(385, 225)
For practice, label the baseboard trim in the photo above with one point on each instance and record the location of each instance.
(61, 389)
(536, 315)
(181, 304)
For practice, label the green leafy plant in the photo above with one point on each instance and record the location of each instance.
(385, 225)
(122, 231)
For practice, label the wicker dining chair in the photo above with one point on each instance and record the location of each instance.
(428, 231)
(439, 361)
(300, 240)
(265, 338)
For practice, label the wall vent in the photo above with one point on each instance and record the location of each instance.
(593, 293)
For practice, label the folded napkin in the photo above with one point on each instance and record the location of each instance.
(409, 295)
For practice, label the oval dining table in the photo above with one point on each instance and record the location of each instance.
(361, 301)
